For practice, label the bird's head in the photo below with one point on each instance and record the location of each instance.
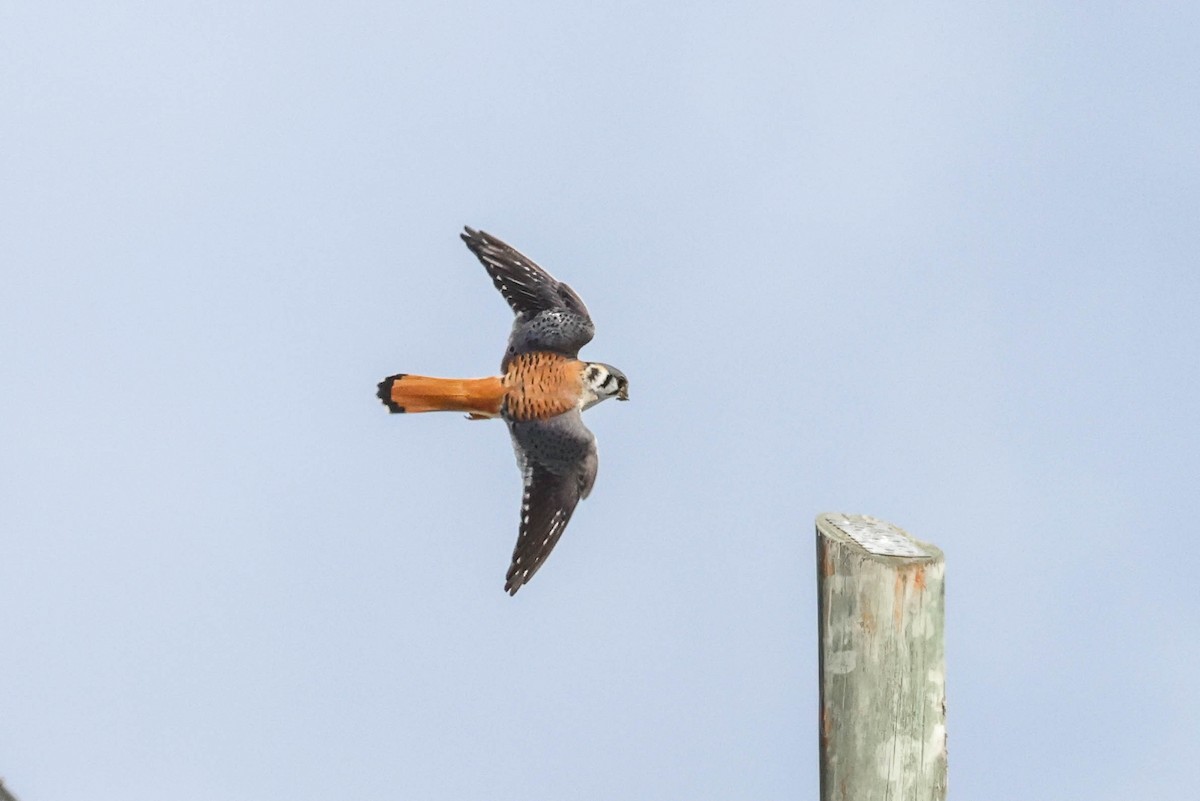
(603, 381)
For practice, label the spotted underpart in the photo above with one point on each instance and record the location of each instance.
(540, 385)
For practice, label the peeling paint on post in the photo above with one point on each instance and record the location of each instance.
(881, 601)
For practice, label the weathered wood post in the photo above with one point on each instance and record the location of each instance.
(881, 601)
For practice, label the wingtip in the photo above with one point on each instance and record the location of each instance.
(474, 239)
(512, 581)
(385, 393)
(515, 579)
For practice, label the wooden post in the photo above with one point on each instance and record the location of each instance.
(881, 601)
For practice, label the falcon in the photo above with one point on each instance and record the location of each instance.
(541, 392)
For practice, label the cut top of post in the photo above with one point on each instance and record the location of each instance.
(876, 537)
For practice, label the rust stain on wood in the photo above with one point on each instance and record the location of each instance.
(867, 620)
(827, 568)
(898, 600)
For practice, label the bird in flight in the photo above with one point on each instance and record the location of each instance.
(542, 389)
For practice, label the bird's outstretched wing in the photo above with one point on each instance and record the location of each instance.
(549, 315)
(558, 461)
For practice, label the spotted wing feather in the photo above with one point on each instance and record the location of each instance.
(549, 315)
(558, 462)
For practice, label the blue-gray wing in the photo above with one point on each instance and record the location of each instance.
(558, 462)
(549, 315)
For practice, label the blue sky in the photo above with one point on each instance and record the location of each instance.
(934, 262)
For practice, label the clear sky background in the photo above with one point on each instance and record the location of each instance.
(934, 262)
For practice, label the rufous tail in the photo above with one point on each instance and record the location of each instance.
(478, 397)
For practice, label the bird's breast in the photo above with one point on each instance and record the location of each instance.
(539, 385)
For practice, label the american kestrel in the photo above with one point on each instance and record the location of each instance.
(540, 394)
